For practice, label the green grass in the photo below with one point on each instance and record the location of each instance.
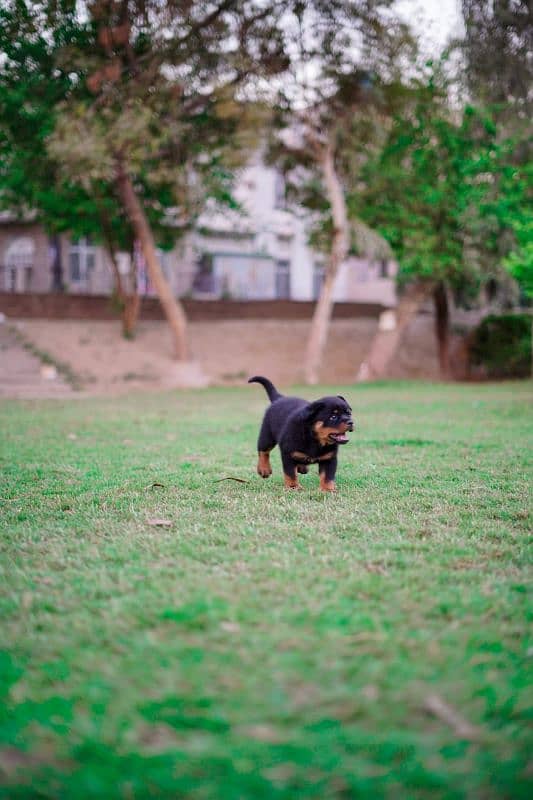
(266, 644)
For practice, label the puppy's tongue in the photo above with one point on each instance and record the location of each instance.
(341, 438)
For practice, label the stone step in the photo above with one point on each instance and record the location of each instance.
(23, 375)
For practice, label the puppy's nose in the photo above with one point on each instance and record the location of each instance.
(350, 424)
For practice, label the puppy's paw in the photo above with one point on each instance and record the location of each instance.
(263, 465)
(328, 486)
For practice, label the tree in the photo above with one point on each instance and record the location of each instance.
(33, 81)
(163, 118)
(327, 122)
(431, 193)
(498, 47)
(29, 89)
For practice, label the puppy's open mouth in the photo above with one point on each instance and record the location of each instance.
(338, 438)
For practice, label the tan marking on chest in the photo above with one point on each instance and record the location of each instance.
(298, 456)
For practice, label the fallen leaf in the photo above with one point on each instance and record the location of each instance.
(376, 568)
(263, 732)
(155, 485)
(159, 523)
(370, 691)
(230, 627)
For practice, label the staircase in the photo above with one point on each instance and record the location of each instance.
(23, 375)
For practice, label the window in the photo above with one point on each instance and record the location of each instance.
(19, 264)
(82, 260)
(11, 279)
(283, 280)
(204, 278)
(318, 279)
(280, 200)
(75, 271)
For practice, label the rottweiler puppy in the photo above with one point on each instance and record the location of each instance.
(307, 433)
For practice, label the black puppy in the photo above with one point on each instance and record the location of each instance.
(307, 433)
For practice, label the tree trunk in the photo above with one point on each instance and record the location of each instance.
(319, 330)
(173, 310)
(58, 284)
(130, 314)
(387, 341)
(442, 327)
(128, 300)
(339, 249)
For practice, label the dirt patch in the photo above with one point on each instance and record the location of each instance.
(229, 351)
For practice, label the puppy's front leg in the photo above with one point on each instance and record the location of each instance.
(289, 472)
(327, 475)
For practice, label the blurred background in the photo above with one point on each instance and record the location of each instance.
(192, 192)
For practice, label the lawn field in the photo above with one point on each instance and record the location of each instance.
(260, 643)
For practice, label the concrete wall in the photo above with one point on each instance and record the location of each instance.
(71, 306)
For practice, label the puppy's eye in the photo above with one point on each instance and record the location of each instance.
(335, 415)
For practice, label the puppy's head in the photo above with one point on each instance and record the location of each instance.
(329, 418)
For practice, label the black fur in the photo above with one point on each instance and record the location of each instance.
(297, 427)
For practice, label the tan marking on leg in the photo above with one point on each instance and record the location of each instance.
(263, 464)
(325, 485)
(292, 482)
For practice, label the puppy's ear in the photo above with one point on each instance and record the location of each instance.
(311, 411)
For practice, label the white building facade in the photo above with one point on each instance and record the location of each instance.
(259, 252)
(263, 252)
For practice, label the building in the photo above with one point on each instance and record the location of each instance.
(258, 252)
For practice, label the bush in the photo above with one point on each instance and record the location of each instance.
(500, 347)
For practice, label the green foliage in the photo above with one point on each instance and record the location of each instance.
(161, 100)
(267, 644)
(65, 112)
(497, 50)
(353, 49)
(32, 84)
(499, 73)
(35, 80)
(520, 261)
(501, 345)
(444, 192)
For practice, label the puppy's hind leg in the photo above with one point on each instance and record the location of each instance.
(265, 444)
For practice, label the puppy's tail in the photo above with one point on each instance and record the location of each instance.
(271, 390)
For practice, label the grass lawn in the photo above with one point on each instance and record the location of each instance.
(265, 643)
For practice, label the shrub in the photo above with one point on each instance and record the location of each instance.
(500, 347)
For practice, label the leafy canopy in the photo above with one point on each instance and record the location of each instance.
(441, 191)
